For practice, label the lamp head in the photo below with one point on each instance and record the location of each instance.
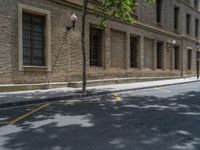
(73, 18)
(174, 42)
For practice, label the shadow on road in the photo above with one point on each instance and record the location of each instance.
(138, 123)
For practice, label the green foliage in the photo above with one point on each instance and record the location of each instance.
(121, 9)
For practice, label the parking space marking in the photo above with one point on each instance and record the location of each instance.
(28, 114)
(24, 116)
(4, 122)
(117, 98)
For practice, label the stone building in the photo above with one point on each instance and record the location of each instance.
(35, 46)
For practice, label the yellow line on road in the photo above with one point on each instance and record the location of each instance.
(28, 114)
(4, 122)
(117, 98)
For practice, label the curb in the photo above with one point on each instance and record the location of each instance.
(78, 94)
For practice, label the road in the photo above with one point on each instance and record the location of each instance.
(166, 118)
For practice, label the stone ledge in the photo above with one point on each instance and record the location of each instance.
(26, 87)
(77, 84)
(116, 81)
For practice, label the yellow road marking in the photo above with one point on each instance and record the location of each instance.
(28, 114)
(5, 122)
(162, 90)
(117, 98)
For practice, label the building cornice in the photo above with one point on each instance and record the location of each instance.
(189, 6)
(67, 3)
(164, 32)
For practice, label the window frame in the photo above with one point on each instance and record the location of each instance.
(196, 28)
(159, 7)
(159, 55)
(177, 58)
(96, 61)
(32, 41)
(134, 41)
(189, 60)
(176, 18)
(196, 4)
(47, 48)
(188, 24)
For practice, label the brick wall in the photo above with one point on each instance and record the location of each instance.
(66, 47)
(117, 49)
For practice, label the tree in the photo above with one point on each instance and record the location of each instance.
(107, 9)
(84, 78)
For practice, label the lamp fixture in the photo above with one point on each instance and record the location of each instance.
(172, 43)
(73, 19)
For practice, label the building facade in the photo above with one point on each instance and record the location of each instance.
(36, 47)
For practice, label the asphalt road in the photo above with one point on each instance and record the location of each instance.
(166, 118)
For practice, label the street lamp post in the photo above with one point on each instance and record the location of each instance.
(197, 48)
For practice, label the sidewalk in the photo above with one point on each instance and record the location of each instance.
(8, 99)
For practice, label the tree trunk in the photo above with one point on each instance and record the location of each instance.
(84, 65)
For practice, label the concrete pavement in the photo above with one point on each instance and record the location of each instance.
(40, 96)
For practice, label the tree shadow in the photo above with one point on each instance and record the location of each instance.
(138, 123)
(41, 96)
